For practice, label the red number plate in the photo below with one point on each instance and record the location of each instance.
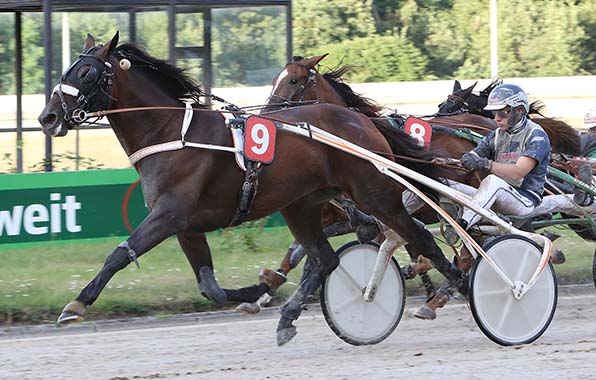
(259, 139)
(419, 130)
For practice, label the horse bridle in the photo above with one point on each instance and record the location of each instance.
(310, 80)
(459, 101)
(92, 84)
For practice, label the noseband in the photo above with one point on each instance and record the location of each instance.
(310, 80)
(459, 102)
(90, 88)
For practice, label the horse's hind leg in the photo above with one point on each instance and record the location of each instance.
(195, 247)
(152, 231)
(304, 220)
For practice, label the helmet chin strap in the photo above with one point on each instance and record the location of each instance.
(515, 118)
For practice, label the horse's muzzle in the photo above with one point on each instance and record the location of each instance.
(52, 124)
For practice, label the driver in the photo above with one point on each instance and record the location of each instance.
(516, 156)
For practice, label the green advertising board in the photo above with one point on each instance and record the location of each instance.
(69, 205)
(40, 207)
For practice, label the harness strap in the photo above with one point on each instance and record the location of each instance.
(178, 144)
(187, 119)
(247, 193)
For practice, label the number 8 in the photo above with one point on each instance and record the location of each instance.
(417, 132)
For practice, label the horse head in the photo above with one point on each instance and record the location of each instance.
(297, 81)
(85, 86)
(457, 101)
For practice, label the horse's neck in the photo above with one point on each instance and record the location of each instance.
(327, 94)
(141, 128)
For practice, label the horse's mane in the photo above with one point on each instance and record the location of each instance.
(172, 80)
(353, 100)
(537, 108)
(402, 145)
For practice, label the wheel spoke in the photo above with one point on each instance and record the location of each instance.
(495, 292)
(355, 299)
(522, 266)
(507, 307)
(349, 277)
(382, 308)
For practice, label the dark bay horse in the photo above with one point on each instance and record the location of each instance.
(193, 191)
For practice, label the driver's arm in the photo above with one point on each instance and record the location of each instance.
(514, 172)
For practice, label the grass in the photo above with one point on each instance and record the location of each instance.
(37, 280)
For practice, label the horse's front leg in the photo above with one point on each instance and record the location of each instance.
(157, 226)
(303, 219)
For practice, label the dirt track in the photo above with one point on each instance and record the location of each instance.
(226, 346)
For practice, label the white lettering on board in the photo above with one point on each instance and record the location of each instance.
(37, 219)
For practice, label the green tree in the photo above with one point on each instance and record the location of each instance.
(377, 58)
(248, 45)
(541, 39)
(330, 21)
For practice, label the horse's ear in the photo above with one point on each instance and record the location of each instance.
(468, 90)
(108, 48)
(312, 62)
(89, 42)
(456, 87)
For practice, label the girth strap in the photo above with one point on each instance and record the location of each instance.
(247, 193)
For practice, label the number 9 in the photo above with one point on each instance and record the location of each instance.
(260, 135)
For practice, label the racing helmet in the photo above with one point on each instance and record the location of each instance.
(507, 95)
(590, 119)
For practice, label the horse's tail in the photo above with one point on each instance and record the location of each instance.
(563, 137)
(408, 153)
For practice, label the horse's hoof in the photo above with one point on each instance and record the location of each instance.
(69, 318)
(248, 308)
(73, 312)
(425, 312)
(285, 335)
(210, 288)
(557, 257)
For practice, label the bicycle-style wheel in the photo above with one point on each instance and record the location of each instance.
(348, 315)
(501, 317)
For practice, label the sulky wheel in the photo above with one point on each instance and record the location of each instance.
(349, 316)
(594, 268)
(501, 317)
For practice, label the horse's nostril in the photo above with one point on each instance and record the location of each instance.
(48, 120)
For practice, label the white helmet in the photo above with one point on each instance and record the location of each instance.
(590, 119)
(507, 95)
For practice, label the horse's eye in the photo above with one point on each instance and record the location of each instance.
(293, 81)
